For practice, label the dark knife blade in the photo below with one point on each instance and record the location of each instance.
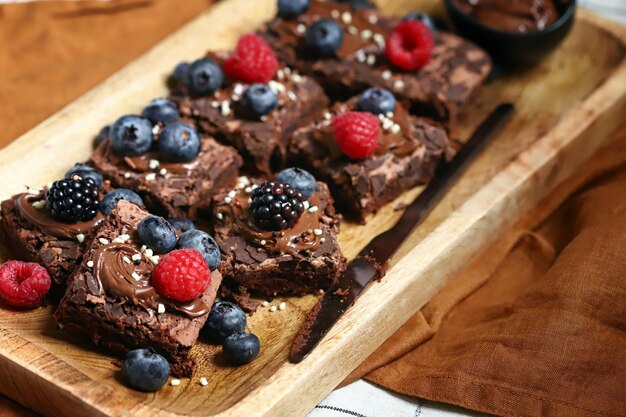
(371, 261)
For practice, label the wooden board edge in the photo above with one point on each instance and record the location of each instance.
(268, 403)
(44, 379)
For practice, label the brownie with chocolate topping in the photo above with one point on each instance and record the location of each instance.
(110, 298)
(171, 189)
(438, 90)
(34, 236)
(299, 260)
(261, 140)
(409, 151)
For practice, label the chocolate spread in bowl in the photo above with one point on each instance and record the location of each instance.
(512, 15)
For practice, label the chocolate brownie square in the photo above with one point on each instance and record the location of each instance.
(33, 235)
(439, 90)
(262, 141)
(171, 189)
(409, 151)
(110, 299)
(302, 259)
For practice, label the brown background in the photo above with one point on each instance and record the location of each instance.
(52, 52)
(570, 261)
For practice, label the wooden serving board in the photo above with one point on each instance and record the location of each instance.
(566, 107)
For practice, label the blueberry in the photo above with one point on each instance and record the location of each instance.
(161, 110)
(260, 99)
(241, 348)
(182, 225)
(290, 9)
(180, 72)
(131, 136)
(204, 77)
(224, 320)
(203, 243)
(325, 37)
(104, 134)
(85, 171)
(299, 179)
(156, 233)
(377, 100)
(422, 17)
(109, 202)
(358, 4)
(145, 370)
(179, 142)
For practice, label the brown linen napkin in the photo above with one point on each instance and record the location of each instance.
(52, 52)
(534, 327)
(544, 333)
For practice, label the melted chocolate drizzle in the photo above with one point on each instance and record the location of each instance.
(50, 226)
(141, 163)
(298, 238)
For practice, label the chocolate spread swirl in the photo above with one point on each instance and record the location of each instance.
(512, 15)
(141, 163)
(131, 280)
(48, 225)
(299, 238)
(399, 142)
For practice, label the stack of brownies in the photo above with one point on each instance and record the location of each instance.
(330, 108)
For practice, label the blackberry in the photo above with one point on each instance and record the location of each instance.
(73, 200)
(276, 206)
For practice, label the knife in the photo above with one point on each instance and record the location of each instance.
(371, 262)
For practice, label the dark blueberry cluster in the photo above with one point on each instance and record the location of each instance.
(290, 9)
(73, 200)
(324, 37)
(358, 4)
(276, 206)
(145, 370)
(226, 325)
(259, 99)
(377, 101)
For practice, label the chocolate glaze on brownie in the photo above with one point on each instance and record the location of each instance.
(261, 141)
(34, 236)
(171, 189)
(109, 297)
(438, 90)
(409, 151)
(296, 261)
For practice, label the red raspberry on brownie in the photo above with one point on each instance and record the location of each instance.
(410, 45)
(253, 61)
(181, 275)
(357, 133)
(23, 284)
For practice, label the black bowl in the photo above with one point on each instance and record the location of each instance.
(513, 48)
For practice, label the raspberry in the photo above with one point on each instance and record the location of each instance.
(410, 45)
(253, 61)
(357, 133)
(23, 284)
(181, 275)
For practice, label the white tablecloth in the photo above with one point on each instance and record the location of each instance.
(363, 399)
